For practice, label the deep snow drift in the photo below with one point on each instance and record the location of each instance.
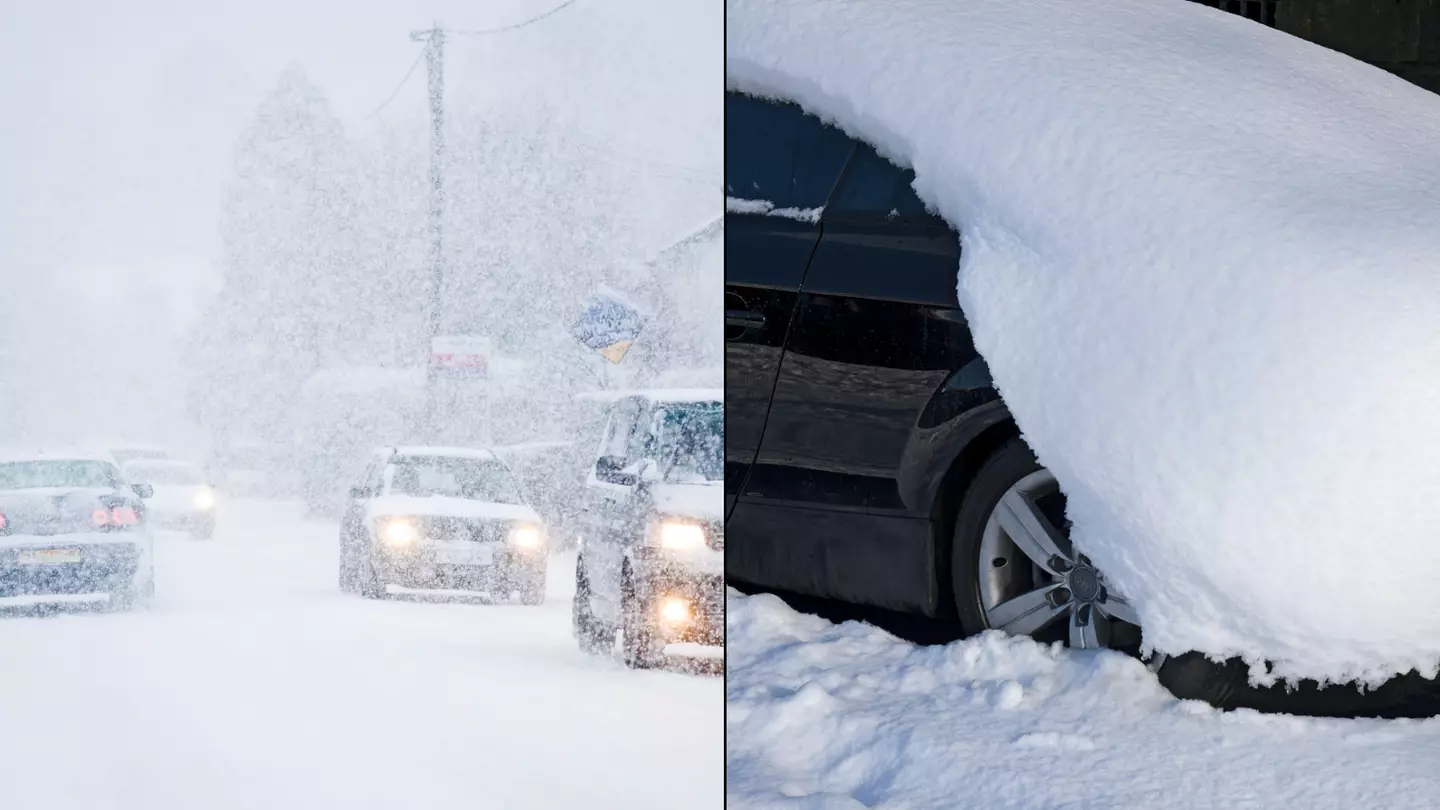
(1202, 260)
(828, 717)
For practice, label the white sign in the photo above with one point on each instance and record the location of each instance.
(460, 352)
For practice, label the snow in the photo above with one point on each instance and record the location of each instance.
(827, 716)
(735, 205)
(442, 506)
(255, 683)
(706, 501)
(447, 452)
(659, 395)
(1200, 259)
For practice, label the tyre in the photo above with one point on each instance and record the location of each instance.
(346, 574)
(640, 644)
(532, 590)
(594, 636)
(204, 531)
(1014, 569)
(368, 581)
(131, 598)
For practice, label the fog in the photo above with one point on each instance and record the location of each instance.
(155, 238)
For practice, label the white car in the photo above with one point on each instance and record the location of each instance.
(72, 529)
(441, 519)
(182, 498)
(652, 553)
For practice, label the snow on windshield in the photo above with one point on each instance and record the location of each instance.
(163, 474)
(1200, 257)
(43, 474)
(425, 476)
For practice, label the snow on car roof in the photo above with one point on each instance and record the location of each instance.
(1200, 258)
(56, 454)
(449, 452)
(157, 463)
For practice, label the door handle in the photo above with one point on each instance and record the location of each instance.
(746, 319)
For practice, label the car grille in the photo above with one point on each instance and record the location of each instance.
(474, 530)
(715, 535)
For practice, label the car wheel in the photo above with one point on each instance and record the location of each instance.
(532, 590)
(641, 647)
(204, 532)
(346, 569)
(594, 636)
(1014, 569)
(369, 583)
(131, 598)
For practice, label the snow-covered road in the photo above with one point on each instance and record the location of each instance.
(255, 683)
(830, 717)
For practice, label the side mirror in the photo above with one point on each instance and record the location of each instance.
(608, 469)
(143, 490)
(359, 493)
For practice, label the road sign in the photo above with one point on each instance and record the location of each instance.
(462, 354)
(609, 325)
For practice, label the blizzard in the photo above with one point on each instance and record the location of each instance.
(1200, 258)
(822, 716)
(253, 682)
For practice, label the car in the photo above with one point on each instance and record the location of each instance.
(124, 455)
(438, 518)
(651, 560)
(870, 459)
(73, 529)
(182, 499)
(552, 476)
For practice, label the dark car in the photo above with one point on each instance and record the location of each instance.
(73, 530)
(441, 519)
(653, 543)
(869, 458)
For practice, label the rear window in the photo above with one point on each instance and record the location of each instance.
(58, 473)
(445, 476)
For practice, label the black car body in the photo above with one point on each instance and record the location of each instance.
(869, 457)
(651, 565)
(71, 528)
(441, 519)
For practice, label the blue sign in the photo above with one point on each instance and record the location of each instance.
(609, 326)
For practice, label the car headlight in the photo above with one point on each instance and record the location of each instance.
(526, 536)
(681, 535)
(399, 532)
(204, 499)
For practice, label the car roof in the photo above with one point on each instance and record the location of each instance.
(446, 452)
(660, 395)
(160, 462)
(59, 454)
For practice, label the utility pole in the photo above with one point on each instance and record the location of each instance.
(434, 40)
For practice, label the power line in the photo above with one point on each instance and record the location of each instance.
(397, 90)
(502, 29)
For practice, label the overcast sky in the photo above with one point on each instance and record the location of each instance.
(119, 118)
(118, 121)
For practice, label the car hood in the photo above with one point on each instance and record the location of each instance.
(704, 501)
(174, 497)
(438, 506)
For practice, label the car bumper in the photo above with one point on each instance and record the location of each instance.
(419, 569)
(101, 567)
(669, 583)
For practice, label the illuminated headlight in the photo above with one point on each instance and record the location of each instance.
(399, 533)
(526, 536)
(681, 535)
(204, 499)
(674, 610)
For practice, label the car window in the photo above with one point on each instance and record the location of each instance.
(619, 428)
(692, 443)
(776, 153)
(641, 442)
(59, 473)
(874, 187)
(447, 476)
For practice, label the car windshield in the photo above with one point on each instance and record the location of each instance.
(693, 443)
(471, 479)
(164, 474)
(58, 473)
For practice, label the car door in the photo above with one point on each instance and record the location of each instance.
(877, 332)
(353, 522)
(607, 514)
(780, 166)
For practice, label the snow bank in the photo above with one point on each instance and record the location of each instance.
(1201, 258)
(825, 716)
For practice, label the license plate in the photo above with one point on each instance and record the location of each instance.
(50, 556)
(464, 554)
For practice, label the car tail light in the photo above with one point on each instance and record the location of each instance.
(100, 517)
(124, 516)
(3, 522)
